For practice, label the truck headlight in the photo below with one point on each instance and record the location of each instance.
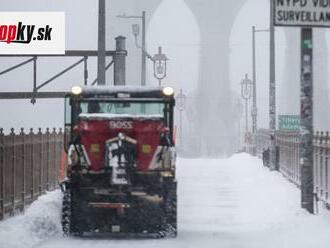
(167, 174)
(76, 90)
(168, 91)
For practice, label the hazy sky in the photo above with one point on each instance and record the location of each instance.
(174, 24)
(255, 13)
(174, 27)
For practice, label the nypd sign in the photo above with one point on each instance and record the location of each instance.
(302, 13)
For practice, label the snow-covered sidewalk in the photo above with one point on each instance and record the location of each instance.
(233, 202)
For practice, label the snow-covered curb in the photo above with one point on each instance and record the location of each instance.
(40, 222)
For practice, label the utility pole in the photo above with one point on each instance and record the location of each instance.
(254, 81)
(246, 117)
(101, 45)
(306, 157)
(272, 91)
(144, 58)
(254, 95)
(181, 99)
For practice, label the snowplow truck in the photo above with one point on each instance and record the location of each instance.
(120, 176)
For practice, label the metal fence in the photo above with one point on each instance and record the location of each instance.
(321, 165)
(29, 166)
(263, 141)
(288, 144)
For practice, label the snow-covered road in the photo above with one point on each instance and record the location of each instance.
(231, 202)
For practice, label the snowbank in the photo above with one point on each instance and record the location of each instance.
(269, 208)
(40, 222)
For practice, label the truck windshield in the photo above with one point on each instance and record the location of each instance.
(122, 108)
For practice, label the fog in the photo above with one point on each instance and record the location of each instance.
(209, 46)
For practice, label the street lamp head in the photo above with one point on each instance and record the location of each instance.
(160, 56)
(181, 100)
(246, 88)
(160, 64)
(136, 29)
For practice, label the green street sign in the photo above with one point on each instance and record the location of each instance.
(307, 44)
(289, 122)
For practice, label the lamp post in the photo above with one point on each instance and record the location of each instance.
(254, 81)
(246, 92)
(160, 65)
(101, 77)
(272, 91)
(181, 99)
(239, 112)
(136, 31)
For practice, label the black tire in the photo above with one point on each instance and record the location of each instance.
(69, 225)
(170, 225)
(66, 213)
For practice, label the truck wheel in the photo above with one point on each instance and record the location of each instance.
(66, 212)
(69, 226)
(170, 227)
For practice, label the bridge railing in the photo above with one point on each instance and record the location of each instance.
(321, 165)
(29, 166)
(263, 141)
(288, 145)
